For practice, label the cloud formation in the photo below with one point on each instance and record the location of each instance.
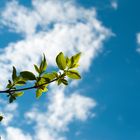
(61, 111)
(51, 26)
(8, 110)
(73, 30)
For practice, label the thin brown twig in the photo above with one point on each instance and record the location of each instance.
(26, 88)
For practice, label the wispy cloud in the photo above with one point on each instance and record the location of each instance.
(72, 30)
(8, 110)
(50, 27)
(61, 111)
(15, 134)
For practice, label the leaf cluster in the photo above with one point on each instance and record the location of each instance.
(68, 65)
(66, 69)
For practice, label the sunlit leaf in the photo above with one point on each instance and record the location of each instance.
(41, 81)
(43, 65)
(44, 89)
(76, 58)
(73, 74)
(38, 93)
(59, 81)
(73, 61)
(55, 73)
(61, 61)
(68, 62)
(42, 84)
(49, 75)
(36, 68)
(75, 66)
(18, 94)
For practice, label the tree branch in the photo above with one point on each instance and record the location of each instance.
(27, 88)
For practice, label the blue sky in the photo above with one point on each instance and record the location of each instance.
(109, 88)
(119, 71)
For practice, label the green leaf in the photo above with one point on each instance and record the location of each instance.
(42, 84)
(27, 75)
(50, 76)
(36, 68)
(43, 65)
(18, 94)
(75, 66)
(73, 61)
(1, 118)
(61, 61)
(38, 93)
(41, 81)
(9, 85)
(44, 89)
(65, 82)
(55, 73)
(73, 74)
(14, 74)
(20, 83)
(11, 99)
(76, 58)
(59, 81)
(68, 62)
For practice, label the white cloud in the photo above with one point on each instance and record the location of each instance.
(8, 111)
(53, 123)
(62, 110)
(23, 21)
(74, 29)
(14, 133)
(114, 5)
(49, 27)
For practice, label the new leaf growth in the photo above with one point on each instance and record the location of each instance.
(66, 69)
